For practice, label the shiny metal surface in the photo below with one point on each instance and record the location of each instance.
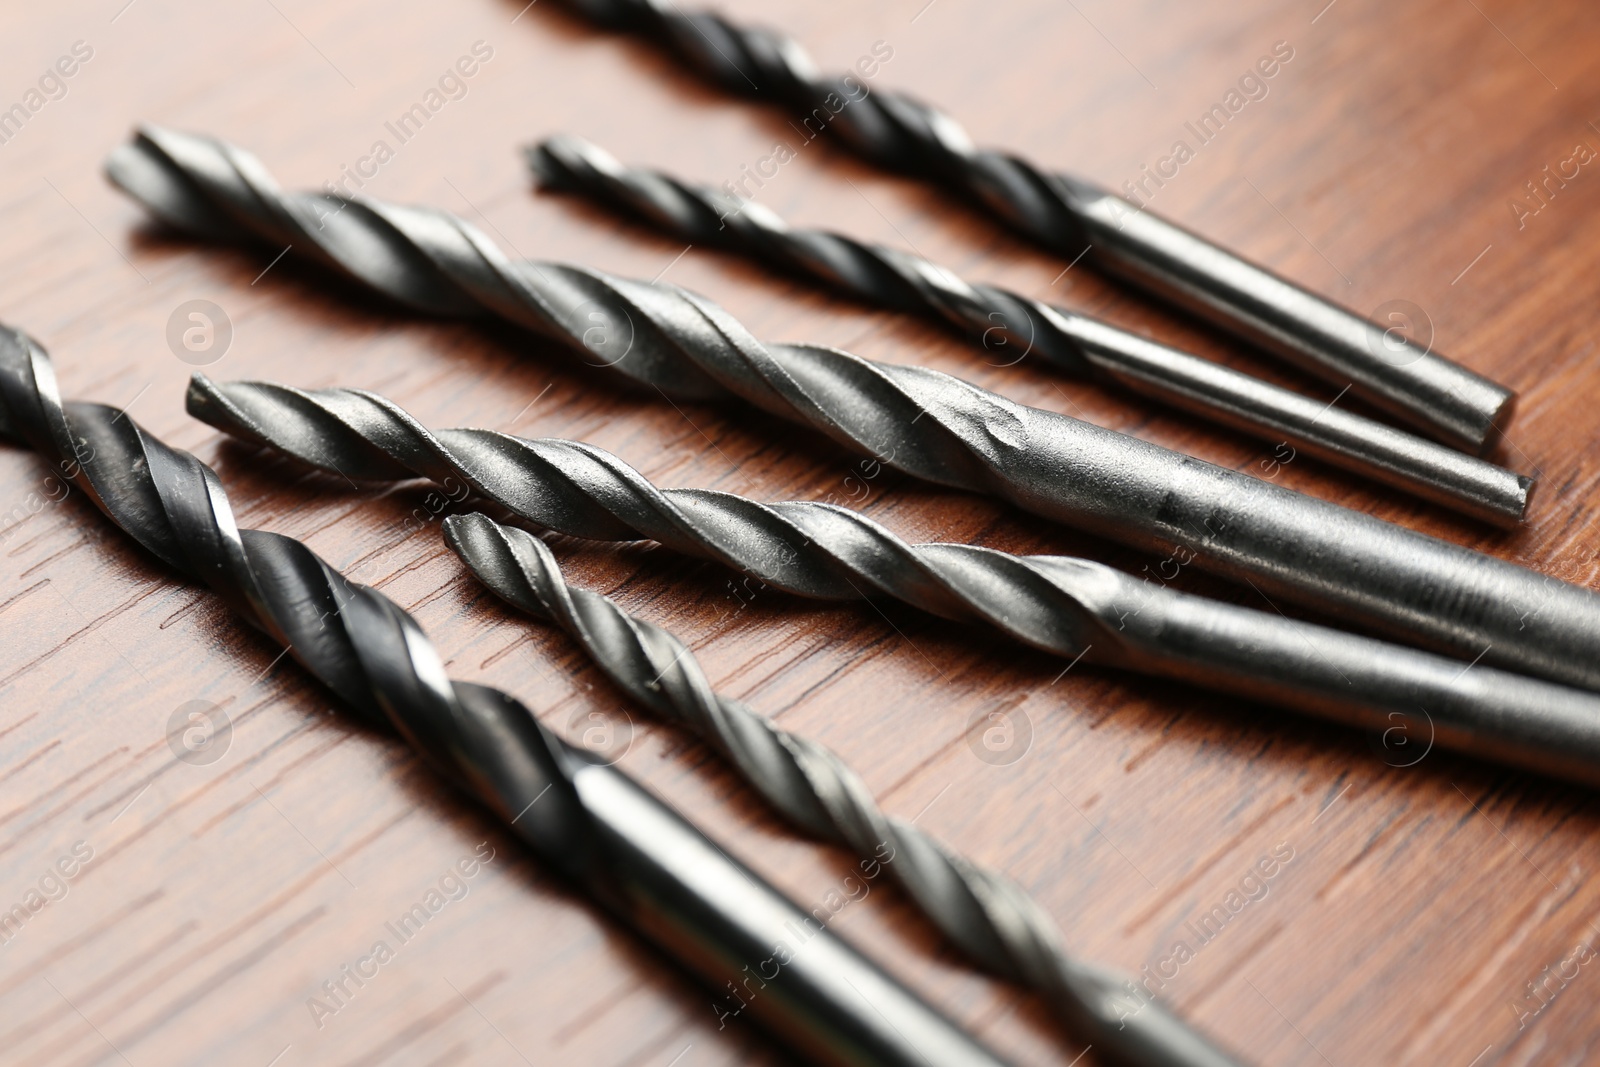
(1364, 446)
(925, 424)
(1382, 365)
(988, 917)
(759, 953)
(1067, 215)
(1070, 607)
(613, 840)
(1011, 327)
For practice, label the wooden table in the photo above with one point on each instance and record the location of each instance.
(1386, 162)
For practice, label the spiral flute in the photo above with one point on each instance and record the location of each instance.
(1069, 607)
(1070, 216)
(986, 915)
(587, 820)
(1006, 322)
(923, 423)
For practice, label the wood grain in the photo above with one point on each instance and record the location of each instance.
(1419, 902)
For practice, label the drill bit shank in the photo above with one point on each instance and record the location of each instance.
(918, 421)
(1071, 216)
(587, 820)
(1072, 608)
(989, 918)
(1012, 326)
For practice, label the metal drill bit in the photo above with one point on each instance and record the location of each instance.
(1070, 216)
(1005, 322)
(917, 421)
(1070, 607)
(994, 923)
(590, 822)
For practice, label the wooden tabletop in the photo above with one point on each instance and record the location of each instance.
(1410, 907)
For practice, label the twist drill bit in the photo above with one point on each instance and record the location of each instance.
(1004, 321)
(921, 422)
(588, 820)
(1069, 607)
(986, 915)
(1070, 216)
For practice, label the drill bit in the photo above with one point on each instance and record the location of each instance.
(914, 420)
(1004, 322)
(994, 923)
(586, 819)
(1069, 607)
(1070, 216)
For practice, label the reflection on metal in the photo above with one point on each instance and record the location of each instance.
(1067, 215)
(1011, 327)
(1071, 607)
(920, 422)
(582, 817)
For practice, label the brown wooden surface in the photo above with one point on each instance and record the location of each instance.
(1419, 902)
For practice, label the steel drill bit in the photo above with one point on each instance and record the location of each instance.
(914, 420)
(587, 820)
(994, 923)
(1070, 216)
(1073, 608)
(1006, 322)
